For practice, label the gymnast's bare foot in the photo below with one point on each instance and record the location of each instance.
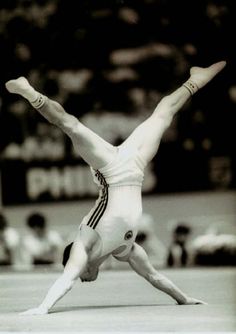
(202, 75)
(192, 301)
(20, 86)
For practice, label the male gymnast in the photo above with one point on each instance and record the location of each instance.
(110, 227)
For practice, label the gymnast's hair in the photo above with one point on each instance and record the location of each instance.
(66, 254)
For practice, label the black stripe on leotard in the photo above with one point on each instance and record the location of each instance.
(100, 209)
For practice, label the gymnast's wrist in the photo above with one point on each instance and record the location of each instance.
(44, 308)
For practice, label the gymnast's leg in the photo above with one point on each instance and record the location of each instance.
(147, 136)
(92, 148)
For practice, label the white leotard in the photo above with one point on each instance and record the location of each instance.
(118, 208)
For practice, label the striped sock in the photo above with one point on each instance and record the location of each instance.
(39, 102)
(191, 86)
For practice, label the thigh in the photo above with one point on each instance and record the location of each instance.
(147, 136)
(92, 148)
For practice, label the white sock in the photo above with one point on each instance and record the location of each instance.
(35, 98)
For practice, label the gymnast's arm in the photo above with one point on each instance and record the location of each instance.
(73, 269)
(139, 261)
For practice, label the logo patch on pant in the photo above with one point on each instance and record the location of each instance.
(128, 235)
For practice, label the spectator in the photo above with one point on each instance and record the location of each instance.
(41, 245)
(9, 243)
(214, 249)
(178, 253)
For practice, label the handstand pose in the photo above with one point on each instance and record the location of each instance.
(110, 227)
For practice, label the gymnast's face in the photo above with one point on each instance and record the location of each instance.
(89, 275)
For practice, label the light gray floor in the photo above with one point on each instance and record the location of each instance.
(121, 301)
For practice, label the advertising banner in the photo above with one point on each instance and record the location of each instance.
(45, 181)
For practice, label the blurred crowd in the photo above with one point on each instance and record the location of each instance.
(41, 245)
(110, 63)
(38, 246)
(209, 248)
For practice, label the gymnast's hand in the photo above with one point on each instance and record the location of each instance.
(35, 311)
(193, 301)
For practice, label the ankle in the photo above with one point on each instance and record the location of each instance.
(39, 101)
(191, 86)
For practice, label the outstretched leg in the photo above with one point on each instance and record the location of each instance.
(139, 261)
(92, 148)
(147, 136)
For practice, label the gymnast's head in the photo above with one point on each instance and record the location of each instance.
(66, 254)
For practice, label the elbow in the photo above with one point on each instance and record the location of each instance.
(156, 279)
(67, 283)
